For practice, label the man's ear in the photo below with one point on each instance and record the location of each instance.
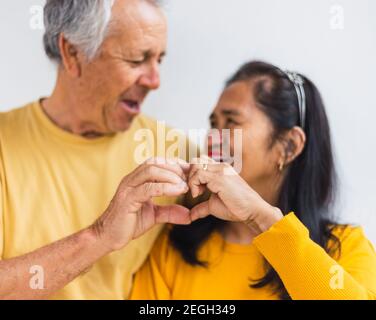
(70, 57)
(294, 143)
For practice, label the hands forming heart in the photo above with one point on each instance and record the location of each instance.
(131, 212)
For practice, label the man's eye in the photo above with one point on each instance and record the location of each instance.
(136, 62)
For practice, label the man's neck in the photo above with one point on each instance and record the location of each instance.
(61, 109)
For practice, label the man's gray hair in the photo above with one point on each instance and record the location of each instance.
(84, 24)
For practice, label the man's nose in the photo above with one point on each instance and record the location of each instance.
(151, 77)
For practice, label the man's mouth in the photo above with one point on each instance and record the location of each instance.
(131, 106)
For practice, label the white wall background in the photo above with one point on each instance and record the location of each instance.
(209, 39)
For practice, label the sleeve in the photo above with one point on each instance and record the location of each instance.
(309, 273)
(1, 223)
(1, 206)
(154, 280)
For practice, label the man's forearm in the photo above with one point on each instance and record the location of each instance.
(129, 215)
(60, 263)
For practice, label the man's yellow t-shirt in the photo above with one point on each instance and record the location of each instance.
(54, 183)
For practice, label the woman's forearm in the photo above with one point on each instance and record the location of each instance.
(263, 221)
(307, 271)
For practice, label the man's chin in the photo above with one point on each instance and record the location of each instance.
(120, 121)
(123, 126)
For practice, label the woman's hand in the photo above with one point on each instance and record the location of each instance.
(232, 198)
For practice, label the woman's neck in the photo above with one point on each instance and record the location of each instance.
(237, 232)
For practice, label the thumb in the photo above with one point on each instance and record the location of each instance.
(174, 214)
(200, 211)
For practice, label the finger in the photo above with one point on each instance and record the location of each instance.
(174, 214)
(179, 166)
(181, 170)
(204, 163)
(159, 160)
(201, 190)
(182, 163)
(150, 190)
(198, 182)
(152, 173)
(208, 159)
(200, 211)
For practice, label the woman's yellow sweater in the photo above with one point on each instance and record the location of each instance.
(306, 270)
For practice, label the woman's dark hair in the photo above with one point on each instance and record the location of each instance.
(310, 182)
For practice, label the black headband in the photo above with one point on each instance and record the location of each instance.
(298, 83)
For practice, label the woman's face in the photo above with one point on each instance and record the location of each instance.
(236, 109)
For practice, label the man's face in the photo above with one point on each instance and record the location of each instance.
(114, 85)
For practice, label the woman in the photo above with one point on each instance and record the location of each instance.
(270, 233)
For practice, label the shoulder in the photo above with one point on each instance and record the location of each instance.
(353, 241)
(172, 141)
(348, 233)
(357, 255)
(13, 119)
(147, 122)
(156, 126)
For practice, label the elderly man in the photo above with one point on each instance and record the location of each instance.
(62, 159)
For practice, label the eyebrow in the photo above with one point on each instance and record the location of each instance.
(147, 54)
(229, 112)
(226, 112)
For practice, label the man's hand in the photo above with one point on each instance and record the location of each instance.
(132, 212)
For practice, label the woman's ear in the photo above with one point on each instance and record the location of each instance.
(294, 142)
(70, 57)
